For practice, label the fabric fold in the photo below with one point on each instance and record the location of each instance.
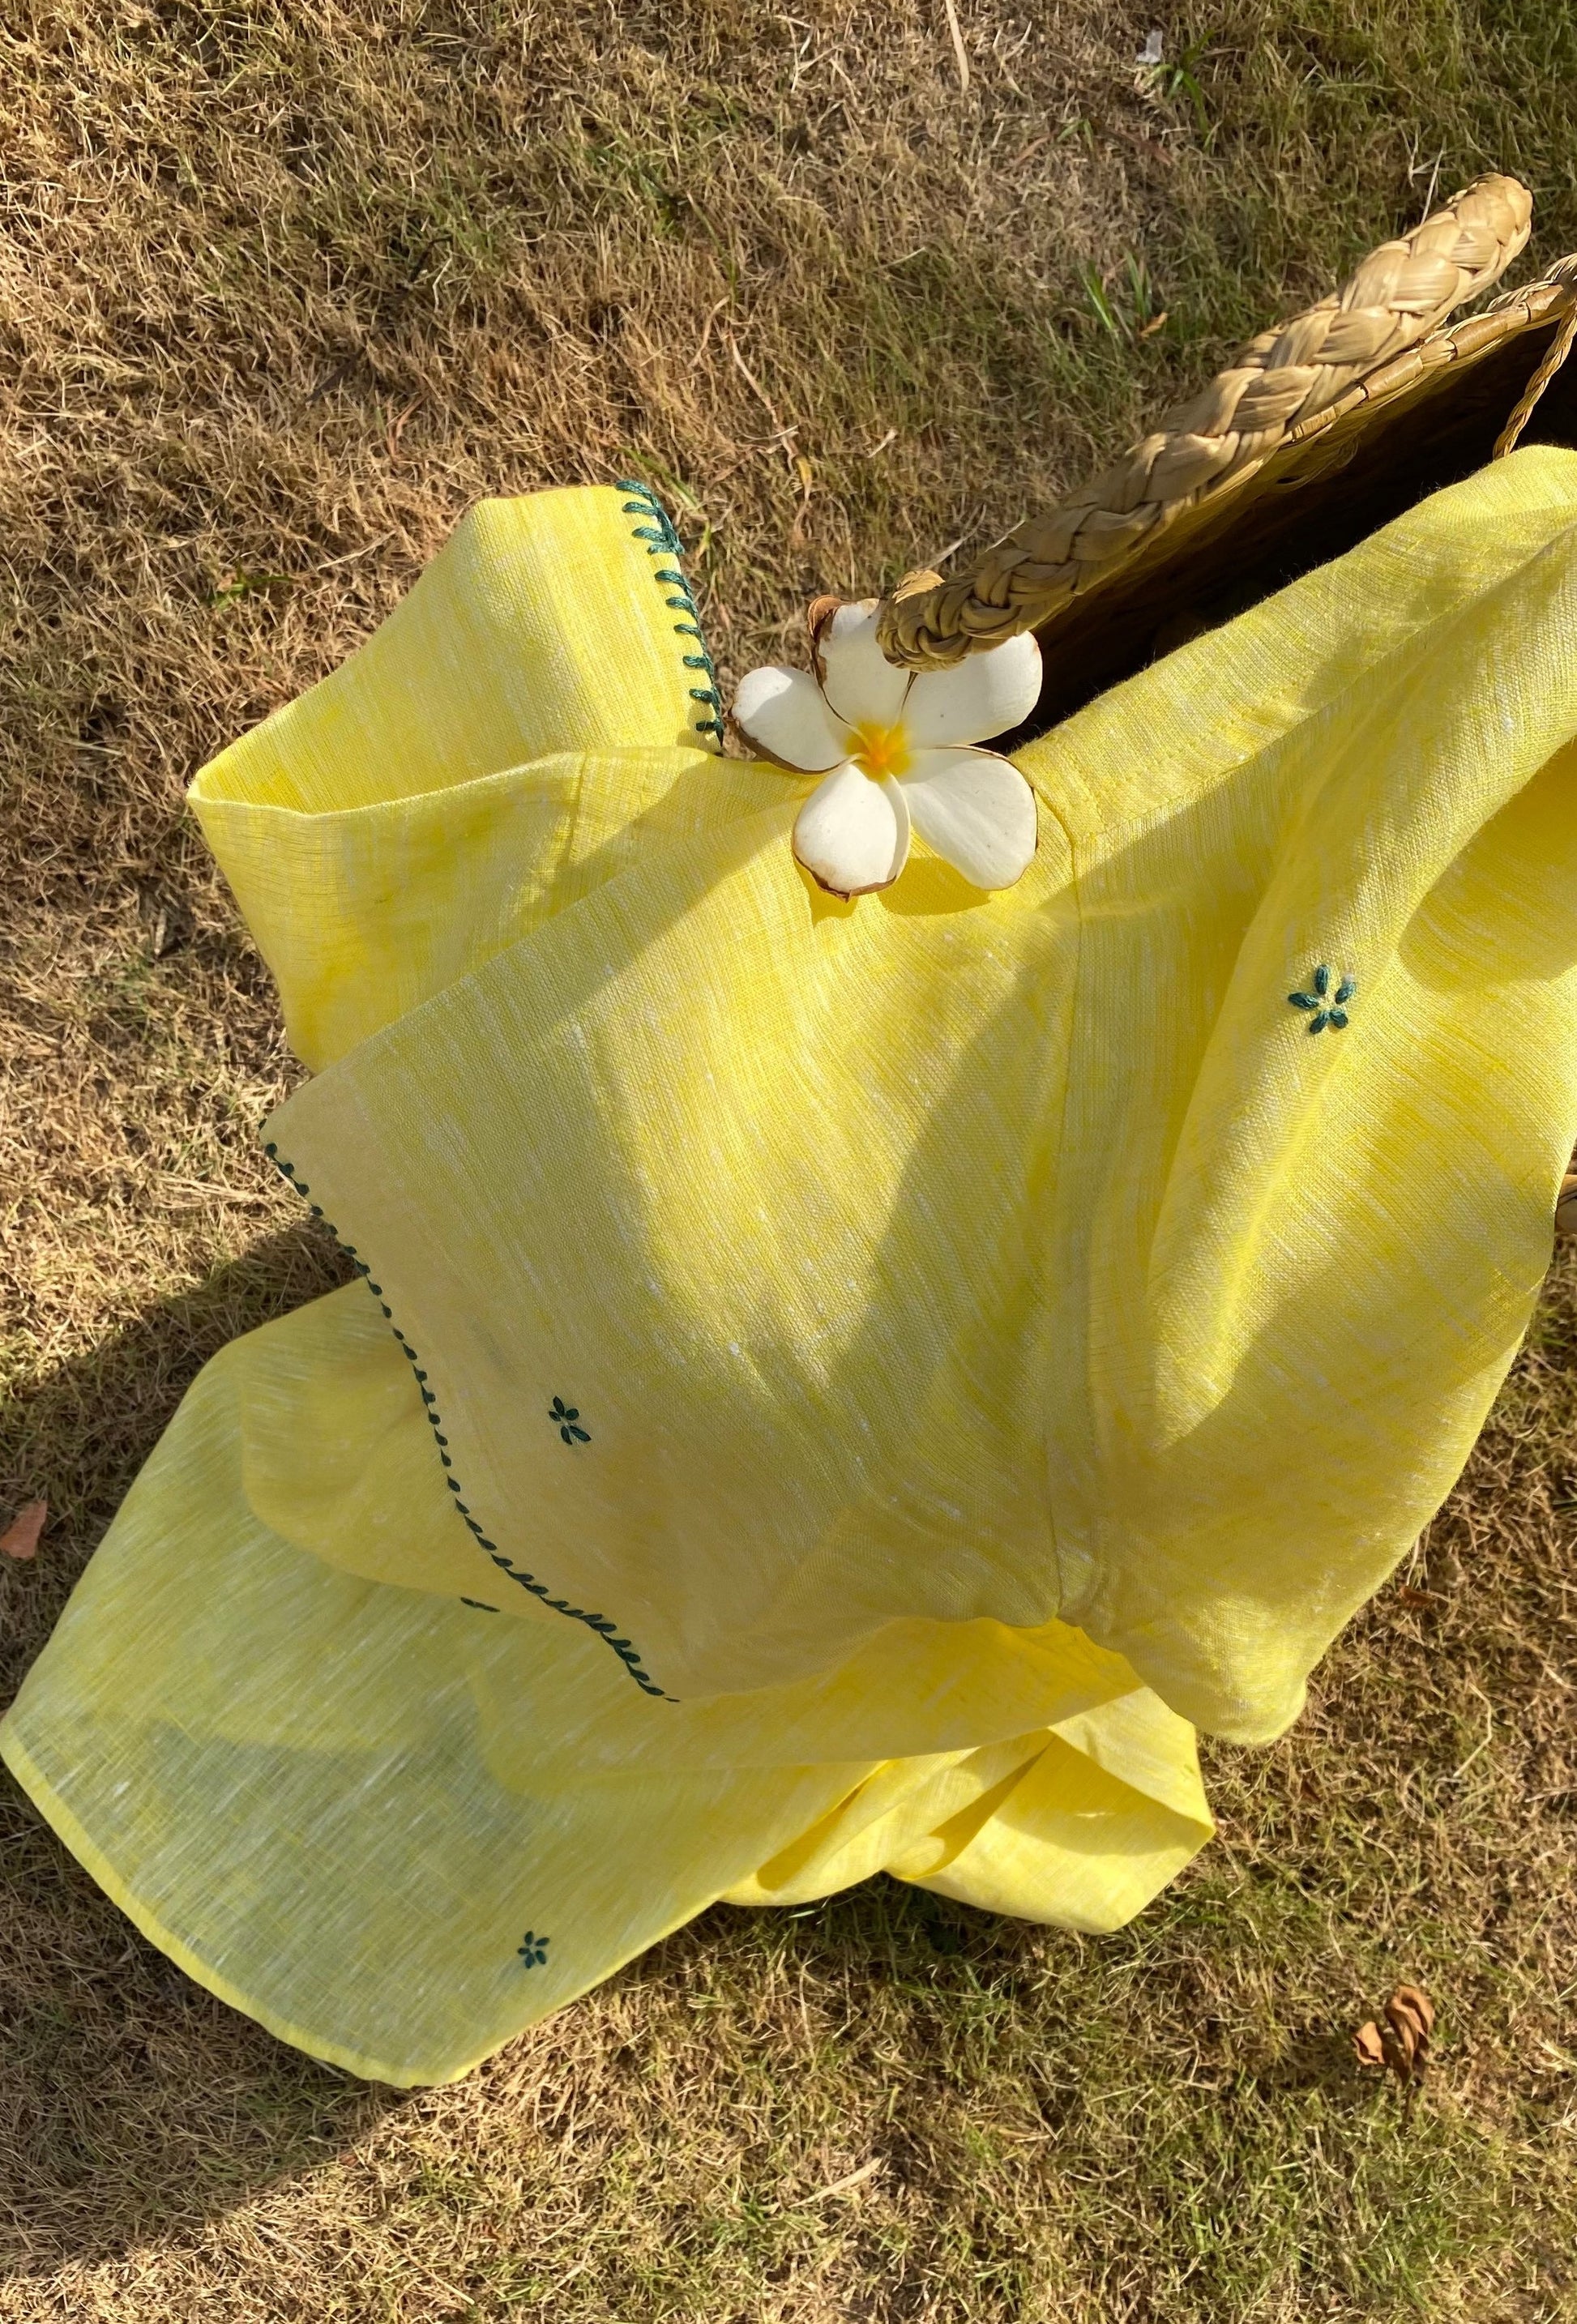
(833, 1388)
(341, 1803)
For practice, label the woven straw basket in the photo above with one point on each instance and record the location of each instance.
(1318, 432)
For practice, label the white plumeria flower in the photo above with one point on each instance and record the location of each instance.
(899, 750)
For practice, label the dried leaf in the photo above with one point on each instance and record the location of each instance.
(20, 1536)
(1411, 2013)
(1413, 1998)
(1369, 2045)
(1402, 2042)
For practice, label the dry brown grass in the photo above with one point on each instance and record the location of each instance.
(281, 290)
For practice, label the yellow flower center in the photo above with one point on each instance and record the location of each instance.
(881, 751)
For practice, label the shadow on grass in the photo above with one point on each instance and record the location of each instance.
(131, 2100)
(1191, 2073)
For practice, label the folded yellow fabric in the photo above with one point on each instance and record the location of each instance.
(344, 1795)
(837, 1386)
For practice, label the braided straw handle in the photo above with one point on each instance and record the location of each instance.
(1280, 383)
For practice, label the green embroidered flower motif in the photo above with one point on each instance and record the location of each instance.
(566, 1416)
(1326, 1008)
(533, 1949)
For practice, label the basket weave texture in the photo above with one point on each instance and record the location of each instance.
(1357, 350)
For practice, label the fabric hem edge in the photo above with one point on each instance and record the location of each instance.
(68, 1829)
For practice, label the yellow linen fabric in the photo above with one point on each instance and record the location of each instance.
(997, 1332)
(339, 1796)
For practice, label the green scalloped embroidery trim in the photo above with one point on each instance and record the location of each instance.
(662, 541)
(604, 1629)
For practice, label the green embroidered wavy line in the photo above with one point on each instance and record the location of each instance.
(604, 1629)
(662, 541)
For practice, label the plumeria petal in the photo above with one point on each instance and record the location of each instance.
(781, 711)
(853, 834)
(983, 694)
(861, 685)
(976, 810)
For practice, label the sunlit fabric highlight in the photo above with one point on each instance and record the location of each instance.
(832, 1387)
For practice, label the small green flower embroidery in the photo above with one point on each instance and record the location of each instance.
(1327, 1007)
(534, 1950)
(566, 1416)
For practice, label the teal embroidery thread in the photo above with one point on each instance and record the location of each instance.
(604, 1629)
(662, 541)
(1325, 1007)
(563, 1418)
(533, 1949)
